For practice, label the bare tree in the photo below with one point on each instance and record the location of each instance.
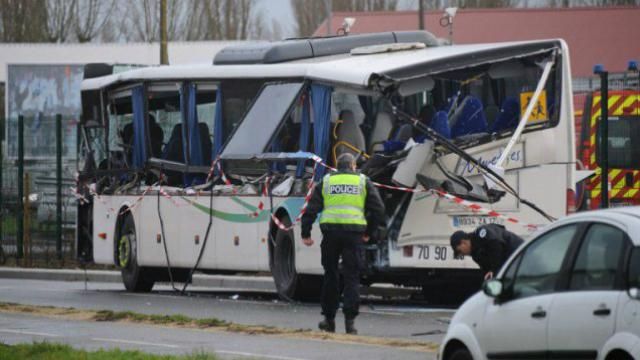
(364, 5)
(60, 19)
(484, 3)
(23, 21)
(90, 17)
(310, 14)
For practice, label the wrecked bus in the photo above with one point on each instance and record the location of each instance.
(206, 168)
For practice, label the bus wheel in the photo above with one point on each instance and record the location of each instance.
(290, 284)
(134, 277)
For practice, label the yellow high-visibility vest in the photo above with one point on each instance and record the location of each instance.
(344, 199)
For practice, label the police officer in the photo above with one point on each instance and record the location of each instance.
(489, 246)
(351, 207)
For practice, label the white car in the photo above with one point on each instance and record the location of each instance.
(572, 292)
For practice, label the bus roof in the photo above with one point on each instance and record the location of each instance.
(350, 70)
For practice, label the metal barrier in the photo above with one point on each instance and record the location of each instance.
(37, 207)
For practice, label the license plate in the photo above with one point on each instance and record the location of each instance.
(475, 221)
(434, 253)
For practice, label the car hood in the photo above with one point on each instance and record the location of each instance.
(472, 310)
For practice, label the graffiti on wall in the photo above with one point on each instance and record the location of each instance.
(39, 93)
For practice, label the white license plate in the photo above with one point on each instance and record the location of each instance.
(434, 253)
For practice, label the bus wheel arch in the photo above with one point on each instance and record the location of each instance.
(289, 283)
(134, 277)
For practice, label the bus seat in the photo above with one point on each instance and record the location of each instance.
(508, 117)
(468, 118)
(491, 113)
(157, 136)
(381, 131)
(399, 139)
(427, 114)
(173, 149)
(205, 143)
(440, 124)
(349, 137)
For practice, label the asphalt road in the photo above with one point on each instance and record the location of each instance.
(378, 318)
(22, 328)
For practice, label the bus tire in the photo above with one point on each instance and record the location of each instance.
(289, 284)
(135, 278)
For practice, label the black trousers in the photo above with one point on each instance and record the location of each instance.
(348, 245)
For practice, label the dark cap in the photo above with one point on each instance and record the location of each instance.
(456, 238)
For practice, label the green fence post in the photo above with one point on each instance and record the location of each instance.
(1, 200)
(59, 186)
(20, 212)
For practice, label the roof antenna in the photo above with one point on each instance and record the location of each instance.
(447, 21)
(347, 23)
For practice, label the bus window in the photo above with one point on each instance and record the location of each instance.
(165, 121)
(490, 99)
(120, 118)
(288, 137)
(624, 147)
(238, 95)
(206, 102)
(266, 113)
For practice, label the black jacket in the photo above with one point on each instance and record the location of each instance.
(374, 211)
(491, 246)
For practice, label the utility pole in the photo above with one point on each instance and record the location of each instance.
(421, 14)
(164, 53)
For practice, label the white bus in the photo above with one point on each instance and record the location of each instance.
(420, 115)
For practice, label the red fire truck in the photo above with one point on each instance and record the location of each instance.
(624, 147)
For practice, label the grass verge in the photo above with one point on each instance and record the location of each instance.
(52, 351)
(213, 324)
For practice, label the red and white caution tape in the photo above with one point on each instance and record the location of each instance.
(216, 164)
(303, 208)
(479, 209)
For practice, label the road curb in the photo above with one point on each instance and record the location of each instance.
(256, 283)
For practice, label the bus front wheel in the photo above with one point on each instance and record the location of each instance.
(290, 284)
(135, 278)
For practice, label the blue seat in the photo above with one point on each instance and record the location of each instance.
(440, 123)
(508, 117)
(469, 119)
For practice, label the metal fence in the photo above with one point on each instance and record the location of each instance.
(617, 81)
(30, 233)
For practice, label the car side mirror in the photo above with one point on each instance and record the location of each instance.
(634, 293)
(493, 288)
